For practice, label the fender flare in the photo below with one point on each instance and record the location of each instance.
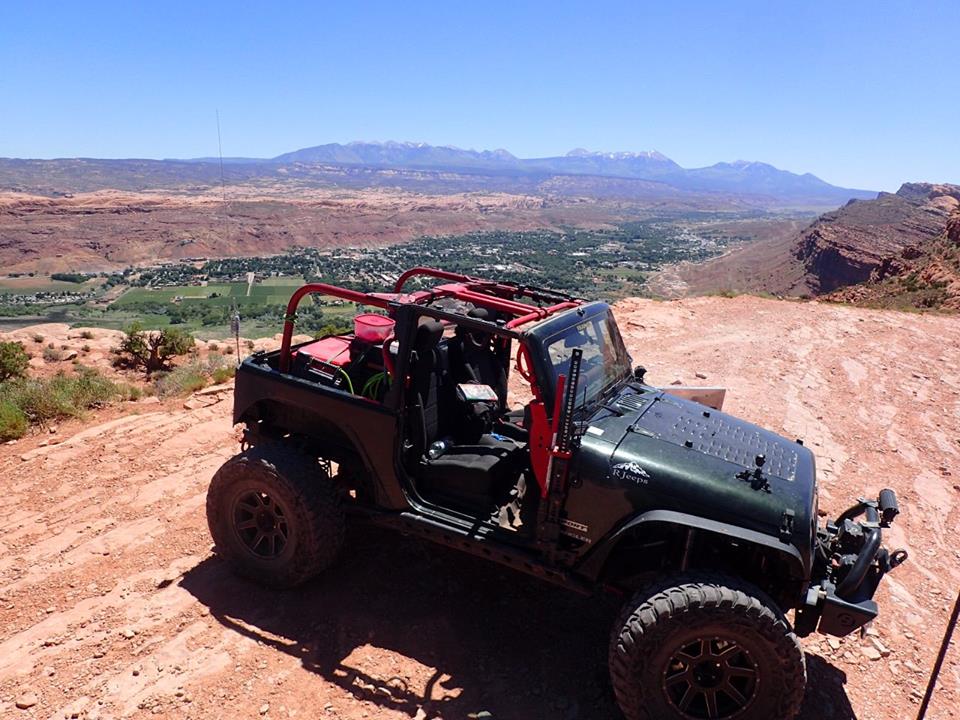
(593, 564)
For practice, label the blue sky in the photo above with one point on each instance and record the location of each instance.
(863, 94)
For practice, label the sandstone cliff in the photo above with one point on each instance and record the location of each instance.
(899, 250)
(953, 229)
(871, 240)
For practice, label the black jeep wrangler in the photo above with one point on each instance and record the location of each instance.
(599, 483)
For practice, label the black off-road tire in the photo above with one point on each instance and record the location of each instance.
(282, 492)
(669, 639)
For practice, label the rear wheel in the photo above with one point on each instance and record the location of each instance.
(275, 515)
(705, 648)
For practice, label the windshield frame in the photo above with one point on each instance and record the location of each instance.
(540, 337)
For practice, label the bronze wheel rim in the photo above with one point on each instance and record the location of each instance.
(261, 524)
(710, 678)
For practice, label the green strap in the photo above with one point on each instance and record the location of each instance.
(372, 387)
(349, 381)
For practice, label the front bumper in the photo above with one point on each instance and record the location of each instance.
(850, 563)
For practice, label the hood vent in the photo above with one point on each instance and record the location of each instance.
(634, 403)
(719, 435)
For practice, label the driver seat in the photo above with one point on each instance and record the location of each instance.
(474, 360)
(467, 475)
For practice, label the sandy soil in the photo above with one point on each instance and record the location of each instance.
(112, 604)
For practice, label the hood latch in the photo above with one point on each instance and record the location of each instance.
(786, 526)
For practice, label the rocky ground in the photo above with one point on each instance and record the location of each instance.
(112, 604)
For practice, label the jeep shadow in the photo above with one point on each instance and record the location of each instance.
(499, 641)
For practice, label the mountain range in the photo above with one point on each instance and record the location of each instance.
(432, 168)
(741, 177)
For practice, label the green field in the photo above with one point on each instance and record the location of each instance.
(203, 310)
(272, 291)
(261, 312)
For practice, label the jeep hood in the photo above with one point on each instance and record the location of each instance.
(668, 453)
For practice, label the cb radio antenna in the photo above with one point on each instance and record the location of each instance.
(223, 185)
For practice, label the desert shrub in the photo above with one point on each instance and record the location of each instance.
(44, 400)
(86, 334)
(182, 380)
(86, 348)
(37, 338)
(932, 297)
(228, 349)
(14, 360)
(129, 393)
(153, 350)
(31, 396)
(215, 363)
(250, 345)
(91, 389)
(213, 347)
(911, 282)
(221, 375)
(195, 375)
(51, 354)
(13, 422)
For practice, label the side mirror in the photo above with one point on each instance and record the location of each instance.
(639, 372)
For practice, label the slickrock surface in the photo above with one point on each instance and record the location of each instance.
(113, 606)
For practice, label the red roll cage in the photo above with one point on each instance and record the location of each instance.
(503, 297)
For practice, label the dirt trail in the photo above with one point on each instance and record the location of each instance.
(112, 605)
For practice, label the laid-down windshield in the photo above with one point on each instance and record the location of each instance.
(605, 359)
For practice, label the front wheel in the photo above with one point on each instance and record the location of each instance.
(705, 648)
(275, 515)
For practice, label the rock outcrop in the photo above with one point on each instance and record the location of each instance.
(953, 229)
(872, 240)
(900, 250)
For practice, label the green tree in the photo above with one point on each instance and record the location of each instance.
(152, 350)
(14, 360)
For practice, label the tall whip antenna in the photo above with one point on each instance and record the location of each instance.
(235, 314)
(223, 185)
